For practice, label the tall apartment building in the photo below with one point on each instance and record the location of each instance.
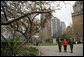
(55, 27)
(62, 27)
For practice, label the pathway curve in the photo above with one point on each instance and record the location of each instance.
(53, 50)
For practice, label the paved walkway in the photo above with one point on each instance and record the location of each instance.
(53, 50)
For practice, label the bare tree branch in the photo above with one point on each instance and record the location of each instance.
(21, 45)
(16, 19)
(34, 17)
(22, 33)
(4, 12)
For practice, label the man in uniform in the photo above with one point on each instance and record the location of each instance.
(71, 45)
(59, 44)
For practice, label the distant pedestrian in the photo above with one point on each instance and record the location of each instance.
(37, 43)
(65, 45)
(71, 45)
(59, 44)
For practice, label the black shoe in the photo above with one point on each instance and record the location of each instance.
(59, 51)
(65, 51)
(71, 52)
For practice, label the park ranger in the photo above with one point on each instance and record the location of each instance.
(59, 44)
(71, 45)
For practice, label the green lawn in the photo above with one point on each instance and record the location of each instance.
(44, 44)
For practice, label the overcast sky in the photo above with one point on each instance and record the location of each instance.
(65, 13)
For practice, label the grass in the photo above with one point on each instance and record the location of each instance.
(47, 44)
(43, 44)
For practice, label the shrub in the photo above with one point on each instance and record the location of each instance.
(32, 51)
(5, 47)
(4, 43)
(28, 51)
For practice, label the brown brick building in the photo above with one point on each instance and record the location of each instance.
(77, 15)
(77, 19)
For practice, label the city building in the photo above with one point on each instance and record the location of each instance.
(55, 27)
(62, 27)
(77, 19)
(77, 15)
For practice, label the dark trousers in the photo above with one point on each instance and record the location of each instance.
(59, 48)
(65, 48)
(71, 47)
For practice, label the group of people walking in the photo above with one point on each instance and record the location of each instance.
(65, 44)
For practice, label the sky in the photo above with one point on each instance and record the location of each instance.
(65, 13)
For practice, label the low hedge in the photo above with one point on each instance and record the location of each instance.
(32, 51)
(4, 43)
(28, 51)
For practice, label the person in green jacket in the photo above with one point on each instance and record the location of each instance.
(59, 44)
(71, 45)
